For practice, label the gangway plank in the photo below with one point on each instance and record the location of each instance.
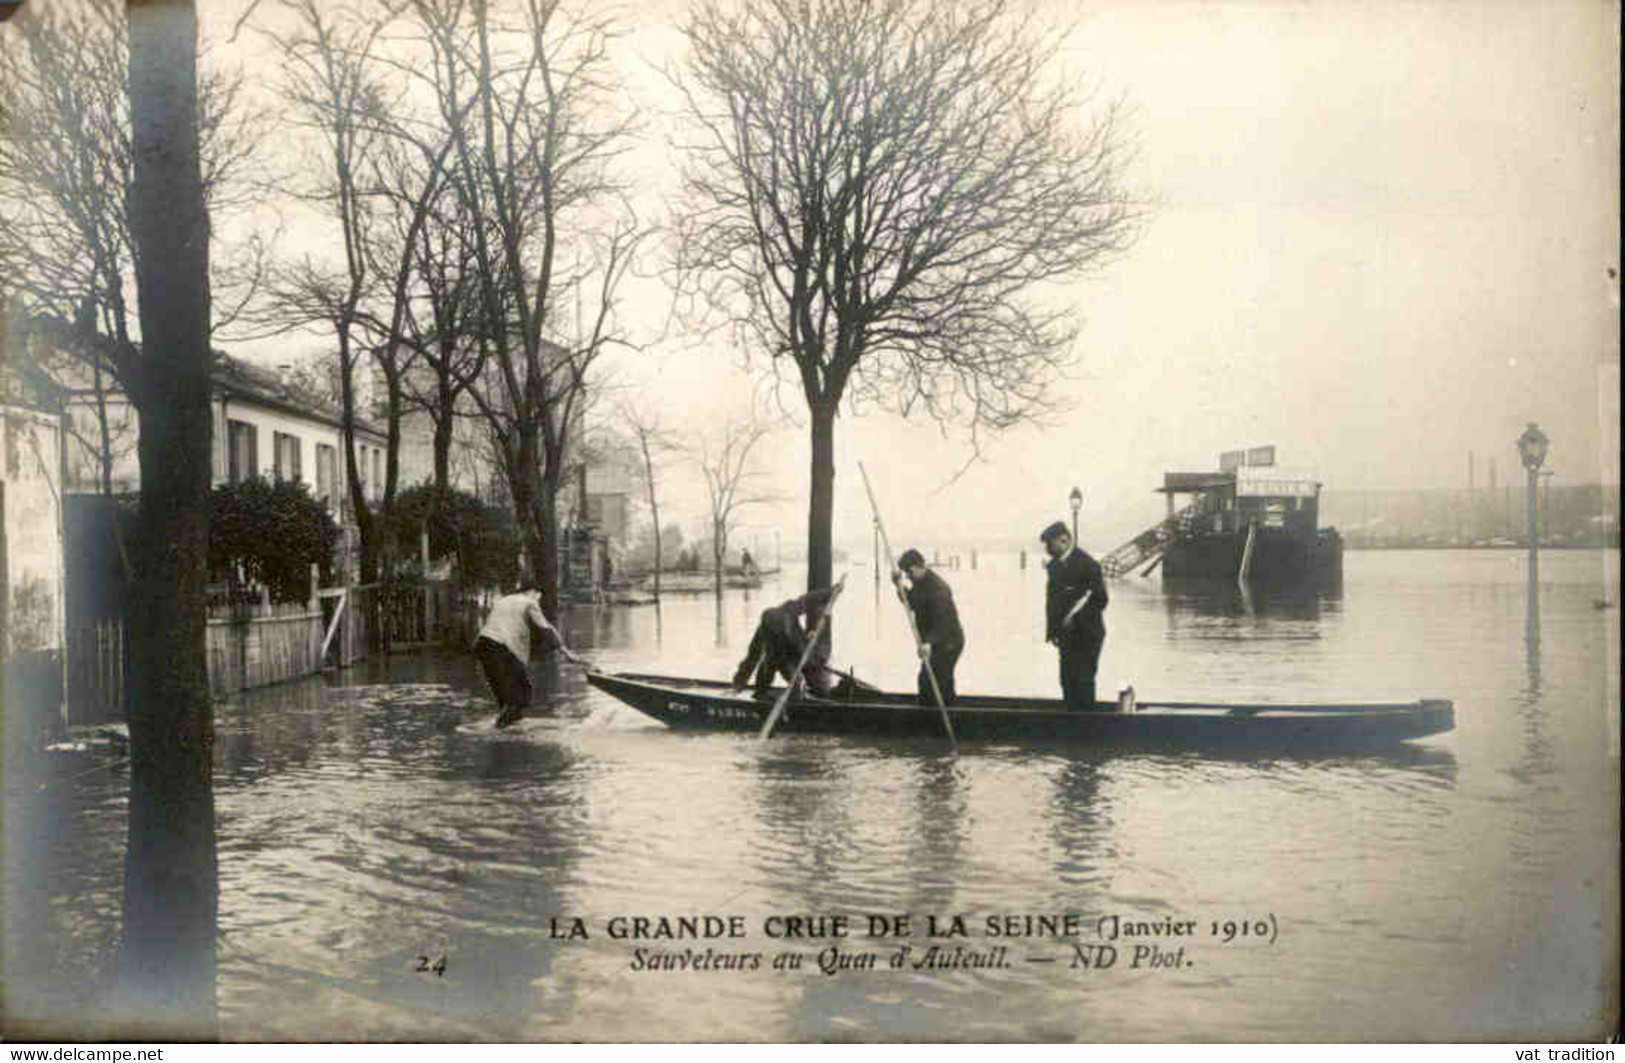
(1151, 544)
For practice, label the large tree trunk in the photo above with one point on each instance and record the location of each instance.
(442, 449)
(529, 489)
(821, 512)
(392, 475)
(547, 533)
(364, 523)
(167, 961)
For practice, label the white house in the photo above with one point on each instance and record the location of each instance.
(31, 557)
(33, 603)
(263, 424)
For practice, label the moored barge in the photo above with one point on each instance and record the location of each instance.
(1252, 521)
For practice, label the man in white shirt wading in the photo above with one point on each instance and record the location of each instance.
(504, 650)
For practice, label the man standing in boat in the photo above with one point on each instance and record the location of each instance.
(503, 649)
(1074, 608)
(777, 645)
(942, 640)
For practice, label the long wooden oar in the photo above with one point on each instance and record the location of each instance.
(795, 677)
(913, 626)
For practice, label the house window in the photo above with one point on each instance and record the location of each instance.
(361, 468)
(377, 473)
(287, 456)
(243, 459)
(327, 473)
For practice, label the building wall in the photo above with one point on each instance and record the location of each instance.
(468, 467)
(84, 465)
(608, 513)
(308, 431)
(84, 446)
(31, 467)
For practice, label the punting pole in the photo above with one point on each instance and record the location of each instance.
(795, 678)
(914, 628)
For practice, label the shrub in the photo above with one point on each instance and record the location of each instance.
(270, 532)
(482, 539)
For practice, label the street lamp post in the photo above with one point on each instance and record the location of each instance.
(1532, 447)
(1076, 498)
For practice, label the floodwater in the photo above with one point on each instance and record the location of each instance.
(372, 829)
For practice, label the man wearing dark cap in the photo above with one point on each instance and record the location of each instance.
(942, 640)
(779, 641)
(1074, 604)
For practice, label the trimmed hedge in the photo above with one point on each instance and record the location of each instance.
(483, 539)
(270, 532)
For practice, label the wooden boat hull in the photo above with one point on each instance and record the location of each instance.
(694, 704)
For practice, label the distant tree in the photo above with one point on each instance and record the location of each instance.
(652, 442)
(882, 191)
(724, 456)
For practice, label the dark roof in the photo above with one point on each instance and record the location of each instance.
(265, 386)
(1194, 481)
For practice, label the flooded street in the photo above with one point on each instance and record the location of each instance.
(372, 828)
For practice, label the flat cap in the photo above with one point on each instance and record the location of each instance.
(909, 559)
(1058, 528)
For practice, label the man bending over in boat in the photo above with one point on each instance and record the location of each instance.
(777, 646)
(1074, 604)
(503, 649)
(942, 640)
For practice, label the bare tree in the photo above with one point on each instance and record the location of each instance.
(530, 108)
(66, 172)
(445, 331)
(411, 178)
(332, 86)
(883, 191)
(731, 479)
(652, 442)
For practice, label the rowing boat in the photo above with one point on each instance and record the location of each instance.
(700, 704)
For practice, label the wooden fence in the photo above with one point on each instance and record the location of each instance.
(433, 613)
(251, 643)
(350, 621)
(98, 654)
(254, 645)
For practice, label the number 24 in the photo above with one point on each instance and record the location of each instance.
(438, 967)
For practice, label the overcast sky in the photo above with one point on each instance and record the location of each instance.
(1386, 238)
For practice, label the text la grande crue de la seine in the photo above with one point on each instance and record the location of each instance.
(835, 926)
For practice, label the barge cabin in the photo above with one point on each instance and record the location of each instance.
(1251, 520)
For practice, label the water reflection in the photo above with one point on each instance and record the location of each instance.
(1232, 599)
(365, 826)
(804, 796)
(374, 818)
(1078, 823)
(937, 834)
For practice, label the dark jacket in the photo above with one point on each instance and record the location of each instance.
(780, 637)
(1070, 576)
(934, 611)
